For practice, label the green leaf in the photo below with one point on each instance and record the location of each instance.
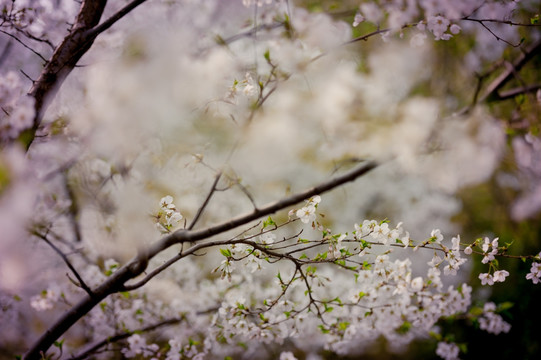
(404, 328)
(268, 222)
(534, 20)
(323, 329)
(226, 253)
(476, 311)
(267, 55)
(505, 306)
(520, 99)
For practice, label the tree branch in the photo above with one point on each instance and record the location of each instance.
(511, 93)
(67, 54)
(114, 18)
(62, 62)
(115, 283)
(493, 88)
(82, 283)
(205, 203)
(84, 354)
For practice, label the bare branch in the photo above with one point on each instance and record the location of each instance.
(24, 45)
(63, 60)
(112, 339)
(82, 283)
(114, 18)
(493, 88)
(205, 203)
(116, 282)
(367, 36)
(509, 94)
(273, 207)
(506, 22)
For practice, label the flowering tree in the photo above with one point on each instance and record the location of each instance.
(192, 179)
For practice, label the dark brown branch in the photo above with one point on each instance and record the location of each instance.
(63, 60)
(23, 44)
(112, 285)
(116, 282)
(367, 36)
(114, 18)
(205, 203)
(509, 94)
(270, 208)
(493, 88)
(506, 22)
(112, 339)
(81, 283)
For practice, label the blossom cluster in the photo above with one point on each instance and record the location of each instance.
(307, 214)
(438, 18)
(535, 271)
(491, 322)
(168, 217)
(385, 299)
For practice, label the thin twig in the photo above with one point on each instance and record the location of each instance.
(112, 339)
(23, 44)
(114, 18)
(206, 202)
(82, 283)
(511, 93)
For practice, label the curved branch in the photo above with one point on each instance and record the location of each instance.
(116, 282)
(493, 88)
(67, 55)
(84, 354)
(114, 18)
(274, 207)
(82, 283)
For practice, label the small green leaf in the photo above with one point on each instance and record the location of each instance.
(323, 329)
(268, 222)
(404, 328)
(520, 99)
(226, 253)
(505, 306)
